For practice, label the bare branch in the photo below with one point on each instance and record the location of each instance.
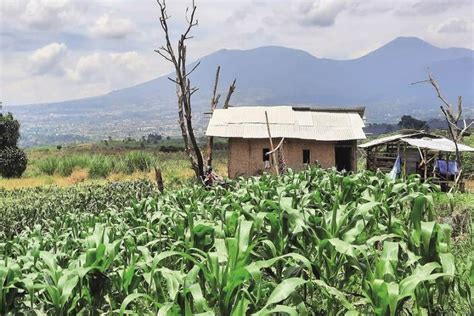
(194, 68)
(214, 99)
(194, 90)
(417, 82)
(456, 133)
(163, 55)
(438, 91)
(458, 117)
(451, 123)
(191, 23)
(464, 130)
(172, 80)
(229, 94)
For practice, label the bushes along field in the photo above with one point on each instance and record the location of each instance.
(99, 166)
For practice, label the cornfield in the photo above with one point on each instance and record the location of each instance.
(308, 243)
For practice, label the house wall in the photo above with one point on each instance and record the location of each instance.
(246, 155)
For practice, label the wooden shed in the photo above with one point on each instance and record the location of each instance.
(419, 152)
(308, 136)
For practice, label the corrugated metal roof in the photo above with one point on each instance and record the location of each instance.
(391, 138)
(250, 122)
(421, 140)
(438, 144)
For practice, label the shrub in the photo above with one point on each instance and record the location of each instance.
(170, 149)
(68, 164)
(122, 166)
(12, 162)
(100, 167)
(138, 161)
(48, 166)
(9, 130)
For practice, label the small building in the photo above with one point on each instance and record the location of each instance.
(309, 136)
(428, 155)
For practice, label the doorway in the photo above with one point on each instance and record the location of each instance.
(343, 158)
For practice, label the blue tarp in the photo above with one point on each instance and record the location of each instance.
(447, 167)
(397, 168)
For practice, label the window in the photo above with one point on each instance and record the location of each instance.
(265, 156)
(306, 156)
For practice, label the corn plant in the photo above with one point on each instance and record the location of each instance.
(313, 242)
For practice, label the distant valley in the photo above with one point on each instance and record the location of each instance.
(272, 75)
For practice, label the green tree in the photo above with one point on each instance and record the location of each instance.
(13, 160)
(9, 130)
(410, 122)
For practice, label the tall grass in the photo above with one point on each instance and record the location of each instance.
(48, 166)
(139, 161)
(98, 165)
(67, 164)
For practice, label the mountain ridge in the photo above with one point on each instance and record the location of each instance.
(394, 42)
(268, 75)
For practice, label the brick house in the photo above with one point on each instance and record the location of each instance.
(311, 135)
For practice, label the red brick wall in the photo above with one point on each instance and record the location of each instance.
(245, 155)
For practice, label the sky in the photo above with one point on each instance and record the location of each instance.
(55, 50)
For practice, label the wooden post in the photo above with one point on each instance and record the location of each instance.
(271, 145)
(404, 162)
(214, 102)
(426, 165)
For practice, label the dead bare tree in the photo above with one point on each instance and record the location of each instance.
(184, 89)
(453, 118)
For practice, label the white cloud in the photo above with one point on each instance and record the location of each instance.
(47, 58)
(120, 69)
(46, 14)
(112, 27)
(87, 68)
(455, 26)
(431, 7)
(321, 13)
(131, 61)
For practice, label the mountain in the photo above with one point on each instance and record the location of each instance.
(274, 75)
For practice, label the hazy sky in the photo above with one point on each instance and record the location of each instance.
(53, 50)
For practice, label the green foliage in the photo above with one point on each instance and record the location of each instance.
(13, 162)
(9, 130)
(100, 166)
(68, 163)
(48, 165)
(315, 242)
(409, 122)
(138, 161)
(21, 209)
(468, 158)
